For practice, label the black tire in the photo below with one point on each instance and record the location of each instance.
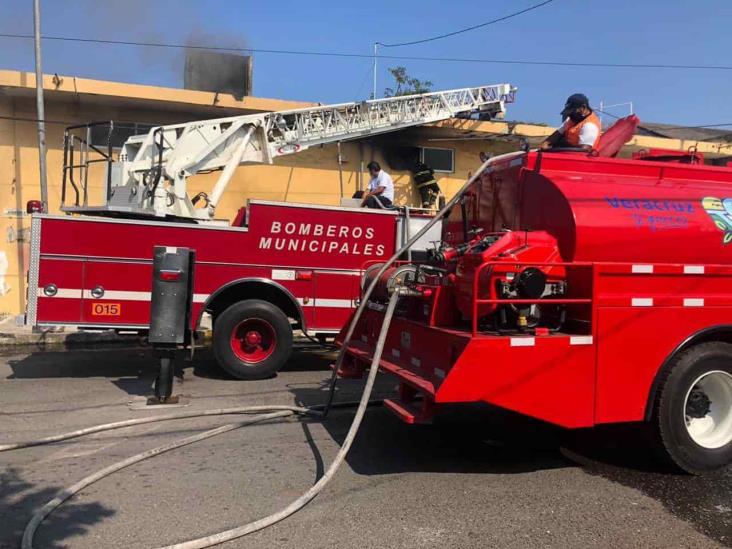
(673, 410)
(232, 335)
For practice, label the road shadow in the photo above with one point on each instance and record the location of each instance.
(19, 499)
(134, 370)
(623, 454)
(81, 363)
(485, 439)
(463, 439)
(306, 357)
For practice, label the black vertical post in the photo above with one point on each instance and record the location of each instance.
(170, 312)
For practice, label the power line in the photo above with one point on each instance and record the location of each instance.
(491, 22)
(392, 57)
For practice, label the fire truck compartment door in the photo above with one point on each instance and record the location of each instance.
(59, 291)
(117, 294)
(334, 299)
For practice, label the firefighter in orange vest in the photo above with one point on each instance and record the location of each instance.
(580, 129)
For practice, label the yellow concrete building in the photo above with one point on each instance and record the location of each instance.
(314, 176)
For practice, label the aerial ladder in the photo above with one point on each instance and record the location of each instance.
(149, 178)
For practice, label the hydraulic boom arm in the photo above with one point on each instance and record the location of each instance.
(151, 175)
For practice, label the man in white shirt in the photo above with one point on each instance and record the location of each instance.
(381, 188)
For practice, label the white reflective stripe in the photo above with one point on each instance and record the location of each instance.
(320, 302)
(396, 353)
(523, 341)
(642, 268)
(171, 250)
(642, 302)
(332, 271)
(580, 340)
(693, 302)
(416, 362)
(694, 269)
(283, 274)
(336, 303)
(440, 373)
(68, 293)
(120, 295)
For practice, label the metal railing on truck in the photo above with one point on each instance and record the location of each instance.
(76, 144)
(80, 152)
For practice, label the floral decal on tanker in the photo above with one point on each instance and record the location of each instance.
(720, 210)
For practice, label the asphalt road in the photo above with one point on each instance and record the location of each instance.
(476, 478)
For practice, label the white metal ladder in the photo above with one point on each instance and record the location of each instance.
(173, 153)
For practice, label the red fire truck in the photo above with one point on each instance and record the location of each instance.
(275, 268)
(279, 266)
(576, 289)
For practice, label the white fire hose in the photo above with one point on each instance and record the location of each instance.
(264, 413)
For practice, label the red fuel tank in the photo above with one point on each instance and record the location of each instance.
(605, 209)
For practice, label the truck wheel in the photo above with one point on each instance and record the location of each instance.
(252, 339)
(693, 413)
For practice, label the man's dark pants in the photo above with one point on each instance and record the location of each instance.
(374, 200)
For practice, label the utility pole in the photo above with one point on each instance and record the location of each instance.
(376, 53)
(39, 105)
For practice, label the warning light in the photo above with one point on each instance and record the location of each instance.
(169, 275)
(34, 206)
(304, 275)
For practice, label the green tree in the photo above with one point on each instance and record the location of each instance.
(405, 84)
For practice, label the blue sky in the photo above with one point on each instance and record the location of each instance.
(618, 31)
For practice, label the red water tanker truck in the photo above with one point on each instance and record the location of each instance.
(577, 290)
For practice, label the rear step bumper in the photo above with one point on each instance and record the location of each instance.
(411, 412)
(416, 402)
(363, 360)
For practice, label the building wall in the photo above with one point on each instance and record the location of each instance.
(308, 177)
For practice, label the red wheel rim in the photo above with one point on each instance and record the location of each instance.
(253, 340)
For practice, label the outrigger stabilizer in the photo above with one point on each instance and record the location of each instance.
(170, 313)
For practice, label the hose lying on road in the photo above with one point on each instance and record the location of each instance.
(154, 419)
(66, 493)
(266, 413)
(276, 412)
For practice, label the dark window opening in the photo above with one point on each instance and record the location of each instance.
(440, 160)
